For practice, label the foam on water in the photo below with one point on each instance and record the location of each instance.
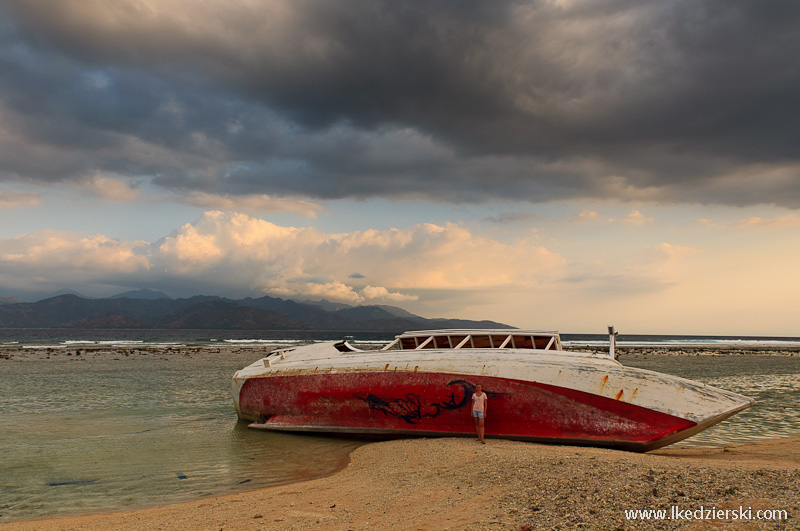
(270, 342)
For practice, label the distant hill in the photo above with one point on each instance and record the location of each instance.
(147, 309)
(327, 305)
(148, 294)
(398, 312)
(64, 291)
(364, 313)
(227, 315)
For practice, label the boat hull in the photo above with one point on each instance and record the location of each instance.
(406, 404)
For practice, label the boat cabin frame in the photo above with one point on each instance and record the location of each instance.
(474, 339)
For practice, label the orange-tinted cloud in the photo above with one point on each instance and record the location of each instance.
(234, 252)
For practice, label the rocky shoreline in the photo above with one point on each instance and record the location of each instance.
(93, 352)
(722, 350)
(11, 352)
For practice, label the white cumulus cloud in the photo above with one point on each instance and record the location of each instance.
(236, 254)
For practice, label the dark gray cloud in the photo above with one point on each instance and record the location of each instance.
(515, 217)
(452, 101)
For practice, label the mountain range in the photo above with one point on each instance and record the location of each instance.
(148, 309)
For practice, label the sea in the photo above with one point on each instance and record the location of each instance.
(82, 434)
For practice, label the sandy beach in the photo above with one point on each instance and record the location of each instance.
(457, 484)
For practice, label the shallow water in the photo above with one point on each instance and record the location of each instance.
(770, 380)
(116, 432)
(106, 434)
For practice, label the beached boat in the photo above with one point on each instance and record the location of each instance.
(421, 385)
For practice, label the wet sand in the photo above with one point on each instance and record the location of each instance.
(458, 484)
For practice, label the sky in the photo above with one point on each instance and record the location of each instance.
(547, 164)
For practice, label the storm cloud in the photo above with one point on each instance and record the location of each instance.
(450, 101)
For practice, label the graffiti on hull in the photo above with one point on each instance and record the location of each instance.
(412, 408)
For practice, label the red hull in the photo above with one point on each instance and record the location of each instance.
(420, 404)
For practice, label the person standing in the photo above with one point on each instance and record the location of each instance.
(479, 411)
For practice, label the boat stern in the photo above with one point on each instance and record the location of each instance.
(237, 382)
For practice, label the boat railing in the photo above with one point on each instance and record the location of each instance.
(474, 339)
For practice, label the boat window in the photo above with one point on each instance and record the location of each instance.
(481, 342)
(541, 342)
(408, 343)
(506, 342)
(343, 346)
(457, 341)
(465, 343)
(503, 341)
(522, 342)
(442, 342)
(428, 342)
